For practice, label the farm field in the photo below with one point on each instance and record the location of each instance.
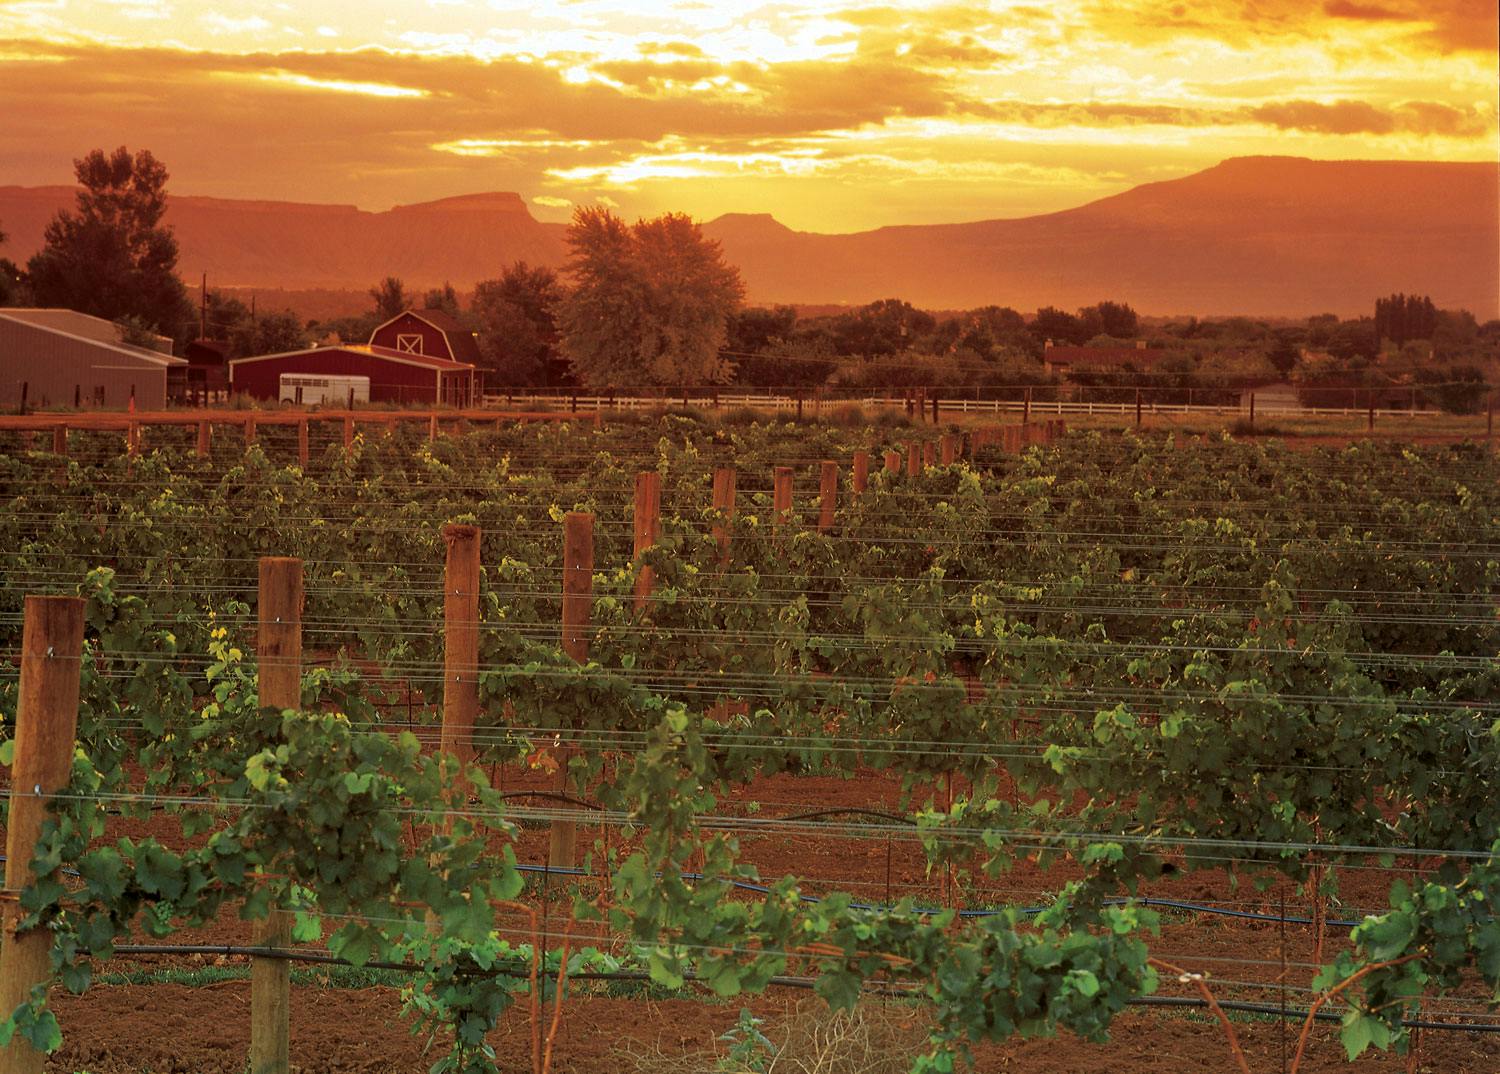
(598, 735)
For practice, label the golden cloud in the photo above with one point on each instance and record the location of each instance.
(1358, 117)
(972, 100)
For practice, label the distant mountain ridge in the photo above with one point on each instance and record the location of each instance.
(1253, 235)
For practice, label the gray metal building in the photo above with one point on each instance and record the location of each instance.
(64, 358)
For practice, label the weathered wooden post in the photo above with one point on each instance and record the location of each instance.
(204, 435)
(828, 494)
(1137, 408)
(929, 455)
(279, 670)
(432, 428)
(948, 449)
(647, 530)
(60, 439)
(304, 447)
(577, 613)
(1371, 425)
(913, 458)
(460, 640)
(781, 495)
(1026, 408)
(348, 433)
(861, 471)
(249, 431)
(893, 462)
(46, 729)
(1252, 413)
(723, 501)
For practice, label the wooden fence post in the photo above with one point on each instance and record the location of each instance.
(724, 502)
(948, 449)
(828, 494)
(460, 640)
(781, 495)
(1371, 425)
(913, 458)
(249, 431)
(46, 728)
(432, 427)
(204, 435)
(348, 433)
(1137, 408)
(861, 471)
(59, 439)
(304, 449)
(577, 612)
(647, 530)
(132, 439)
(1026, 408)
(929, 455)
(893, 462)
(279, 667)
(1252, 412)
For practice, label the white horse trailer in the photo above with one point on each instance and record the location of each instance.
(307, 389)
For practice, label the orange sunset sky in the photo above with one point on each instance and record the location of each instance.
(833, 116)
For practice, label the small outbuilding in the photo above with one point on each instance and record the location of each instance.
(60, 357)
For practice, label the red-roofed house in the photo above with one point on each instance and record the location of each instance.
(379, 374)
(1064, 360)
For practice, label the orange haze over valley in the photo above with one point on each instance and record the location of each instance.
(1204, 157)
(1263, 236)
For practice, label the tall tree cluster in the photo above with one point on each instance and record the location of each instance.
(10, 277)
(650, 302)
(112, 256)
(1401, 318)
(516, 316)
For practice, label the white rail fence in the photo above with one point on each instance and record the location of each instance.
(814, 406)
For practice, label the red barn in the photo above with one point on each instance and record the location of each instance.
(430, 332)
(393, 376)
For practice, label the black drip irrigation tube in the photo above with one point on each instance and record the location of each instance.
(319, 958)
(765, 889)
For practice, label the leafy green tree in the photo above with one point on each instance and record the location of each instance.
(1058, 326)
(136, 332)
(650, 302)
(754, 330)
(803, 360)
(1283, 352)
(517, 319)
(1113, 319)
(113, 257)
(888, 326)
(443, 298)
(10, 279)
(390, 298)
(269, 333)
